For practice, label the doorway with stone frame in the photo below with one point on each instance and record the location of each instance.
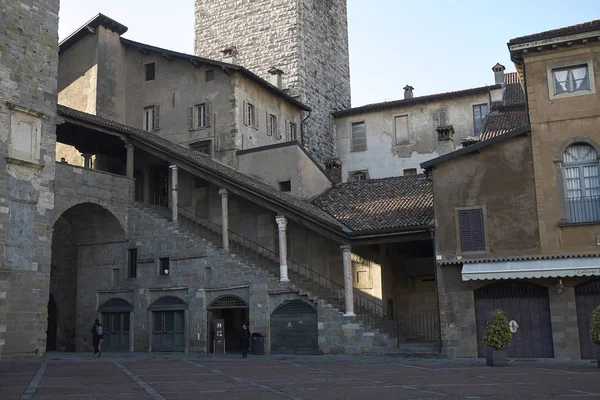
(234, 312)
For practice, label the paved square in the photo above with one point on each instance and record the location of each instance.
(174, 377)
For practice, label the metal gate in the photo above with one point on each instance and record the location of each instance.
(587, 297)
(525, 303)
(168, 324)
(116, 331)
(294, 329)
(115, 323)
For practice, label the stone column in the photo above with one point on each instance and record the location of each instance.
(174, 194)
(129, 148)
(348, 287)
(225, 217)
(87, 160)
(283, 268)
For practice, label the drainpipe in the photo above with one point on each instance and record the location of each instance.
(302, 128)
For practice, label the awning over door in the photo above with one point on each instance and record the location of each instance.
(552, 268)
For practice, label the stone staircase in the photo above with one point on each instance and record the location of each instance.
(372, 333)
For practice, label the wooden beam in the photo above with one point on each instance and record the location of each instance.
(167, 57)
(195, 63)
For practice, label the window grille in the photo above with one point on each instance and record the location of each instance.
(228, 302)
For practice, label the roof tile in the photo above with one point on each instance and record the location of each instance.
(376, 204)
(554, 33)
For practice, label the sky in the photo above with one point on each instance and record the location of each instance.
(433, 45)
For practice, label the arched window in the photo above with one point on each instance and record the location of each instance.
(358, 176)
(582, 183)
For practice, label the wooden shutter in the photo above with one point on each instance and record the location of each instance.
(207, 114)
(277, 131)
(156, 117)
(191, 118)
(471, 230)
(269, 127)
(245, 113)
(255, 117)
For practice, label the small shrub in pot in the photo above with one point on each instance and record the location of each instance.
(496, 338)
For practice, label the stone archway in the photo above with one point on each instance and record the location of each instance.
(78, 235)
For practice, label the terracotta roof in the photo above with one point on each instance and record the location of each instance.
(569, 30)
(518, 258)
(510, 113)
(513, 93)
(204, 162)
(415, 100)
(500, 122)
(378, 204)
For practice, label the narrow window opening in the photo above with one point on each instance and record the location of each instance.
(150, 71)
(164, 266)
(285, 186)
(132, 263)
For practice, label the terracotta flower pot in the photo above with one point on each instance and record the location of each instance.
(496, 358)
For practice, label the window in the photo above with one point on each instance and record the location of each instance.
(582, 183)
(209, 75)
(358, 176)
(439, 118)
(359, 136)
(390, 308)
(401, 129)
(199, 116)
(152, 118)
(272, 126)
(291, 131)
(164, 266)
(250, 115)
(150, 71)
(471, 230)
(480, 111)
(410, 171)
(204, 147)
(571, 79)
(285, 186)
(131, 263)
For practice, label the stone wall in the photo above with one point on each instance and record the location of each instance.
(307, 39)
(199, 273)
(28, 71)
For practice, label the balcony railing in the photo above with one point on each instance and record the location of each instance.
(583, 209)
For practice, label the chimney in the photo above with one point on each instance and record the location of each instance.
(498, 73)
(408, 92)
(230, 55)
(445, 139)
(276, 77)
(333, 169)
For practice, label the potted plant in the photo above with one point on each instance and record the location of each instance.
(496, 338)
(595, 332)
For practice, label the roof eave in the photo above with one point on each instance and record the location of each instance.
(233, 67)
(415, 100)
(99, 20)
(525, 130)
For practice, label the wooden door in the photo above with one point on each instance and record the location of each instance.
(116, 331)
(168, 331)
(529, 306)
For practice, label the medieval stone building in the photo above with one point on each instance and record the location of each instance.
(307, 40)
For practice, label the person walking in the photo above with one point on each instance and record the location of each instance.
(97, 337)
(245, 340)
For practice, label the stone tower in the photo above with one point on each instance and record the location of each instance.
(306, 39)
(28, 92)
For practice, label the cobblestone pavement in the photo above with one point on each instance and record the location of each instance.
(173, 377)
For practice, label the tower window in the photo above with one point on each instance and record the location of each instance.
(150, 71)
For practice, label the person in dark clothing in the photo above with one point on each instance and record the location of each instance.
(97, 337)
(244, 340)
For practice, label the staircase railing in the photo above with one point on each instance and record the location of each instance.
(369, 312)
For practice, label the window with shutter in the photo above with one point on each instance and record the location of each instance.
(191, 118)
(246, 117)
(471, 230)
(255, 112)
(156, 117)
(208, 121)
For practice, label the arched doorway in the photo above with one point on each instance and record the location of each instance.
(525, 303)
(52, 319)
(234, 312)
(87, 238)
(116, 315)
(294, 329)
(587, 298)
(168, 324)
